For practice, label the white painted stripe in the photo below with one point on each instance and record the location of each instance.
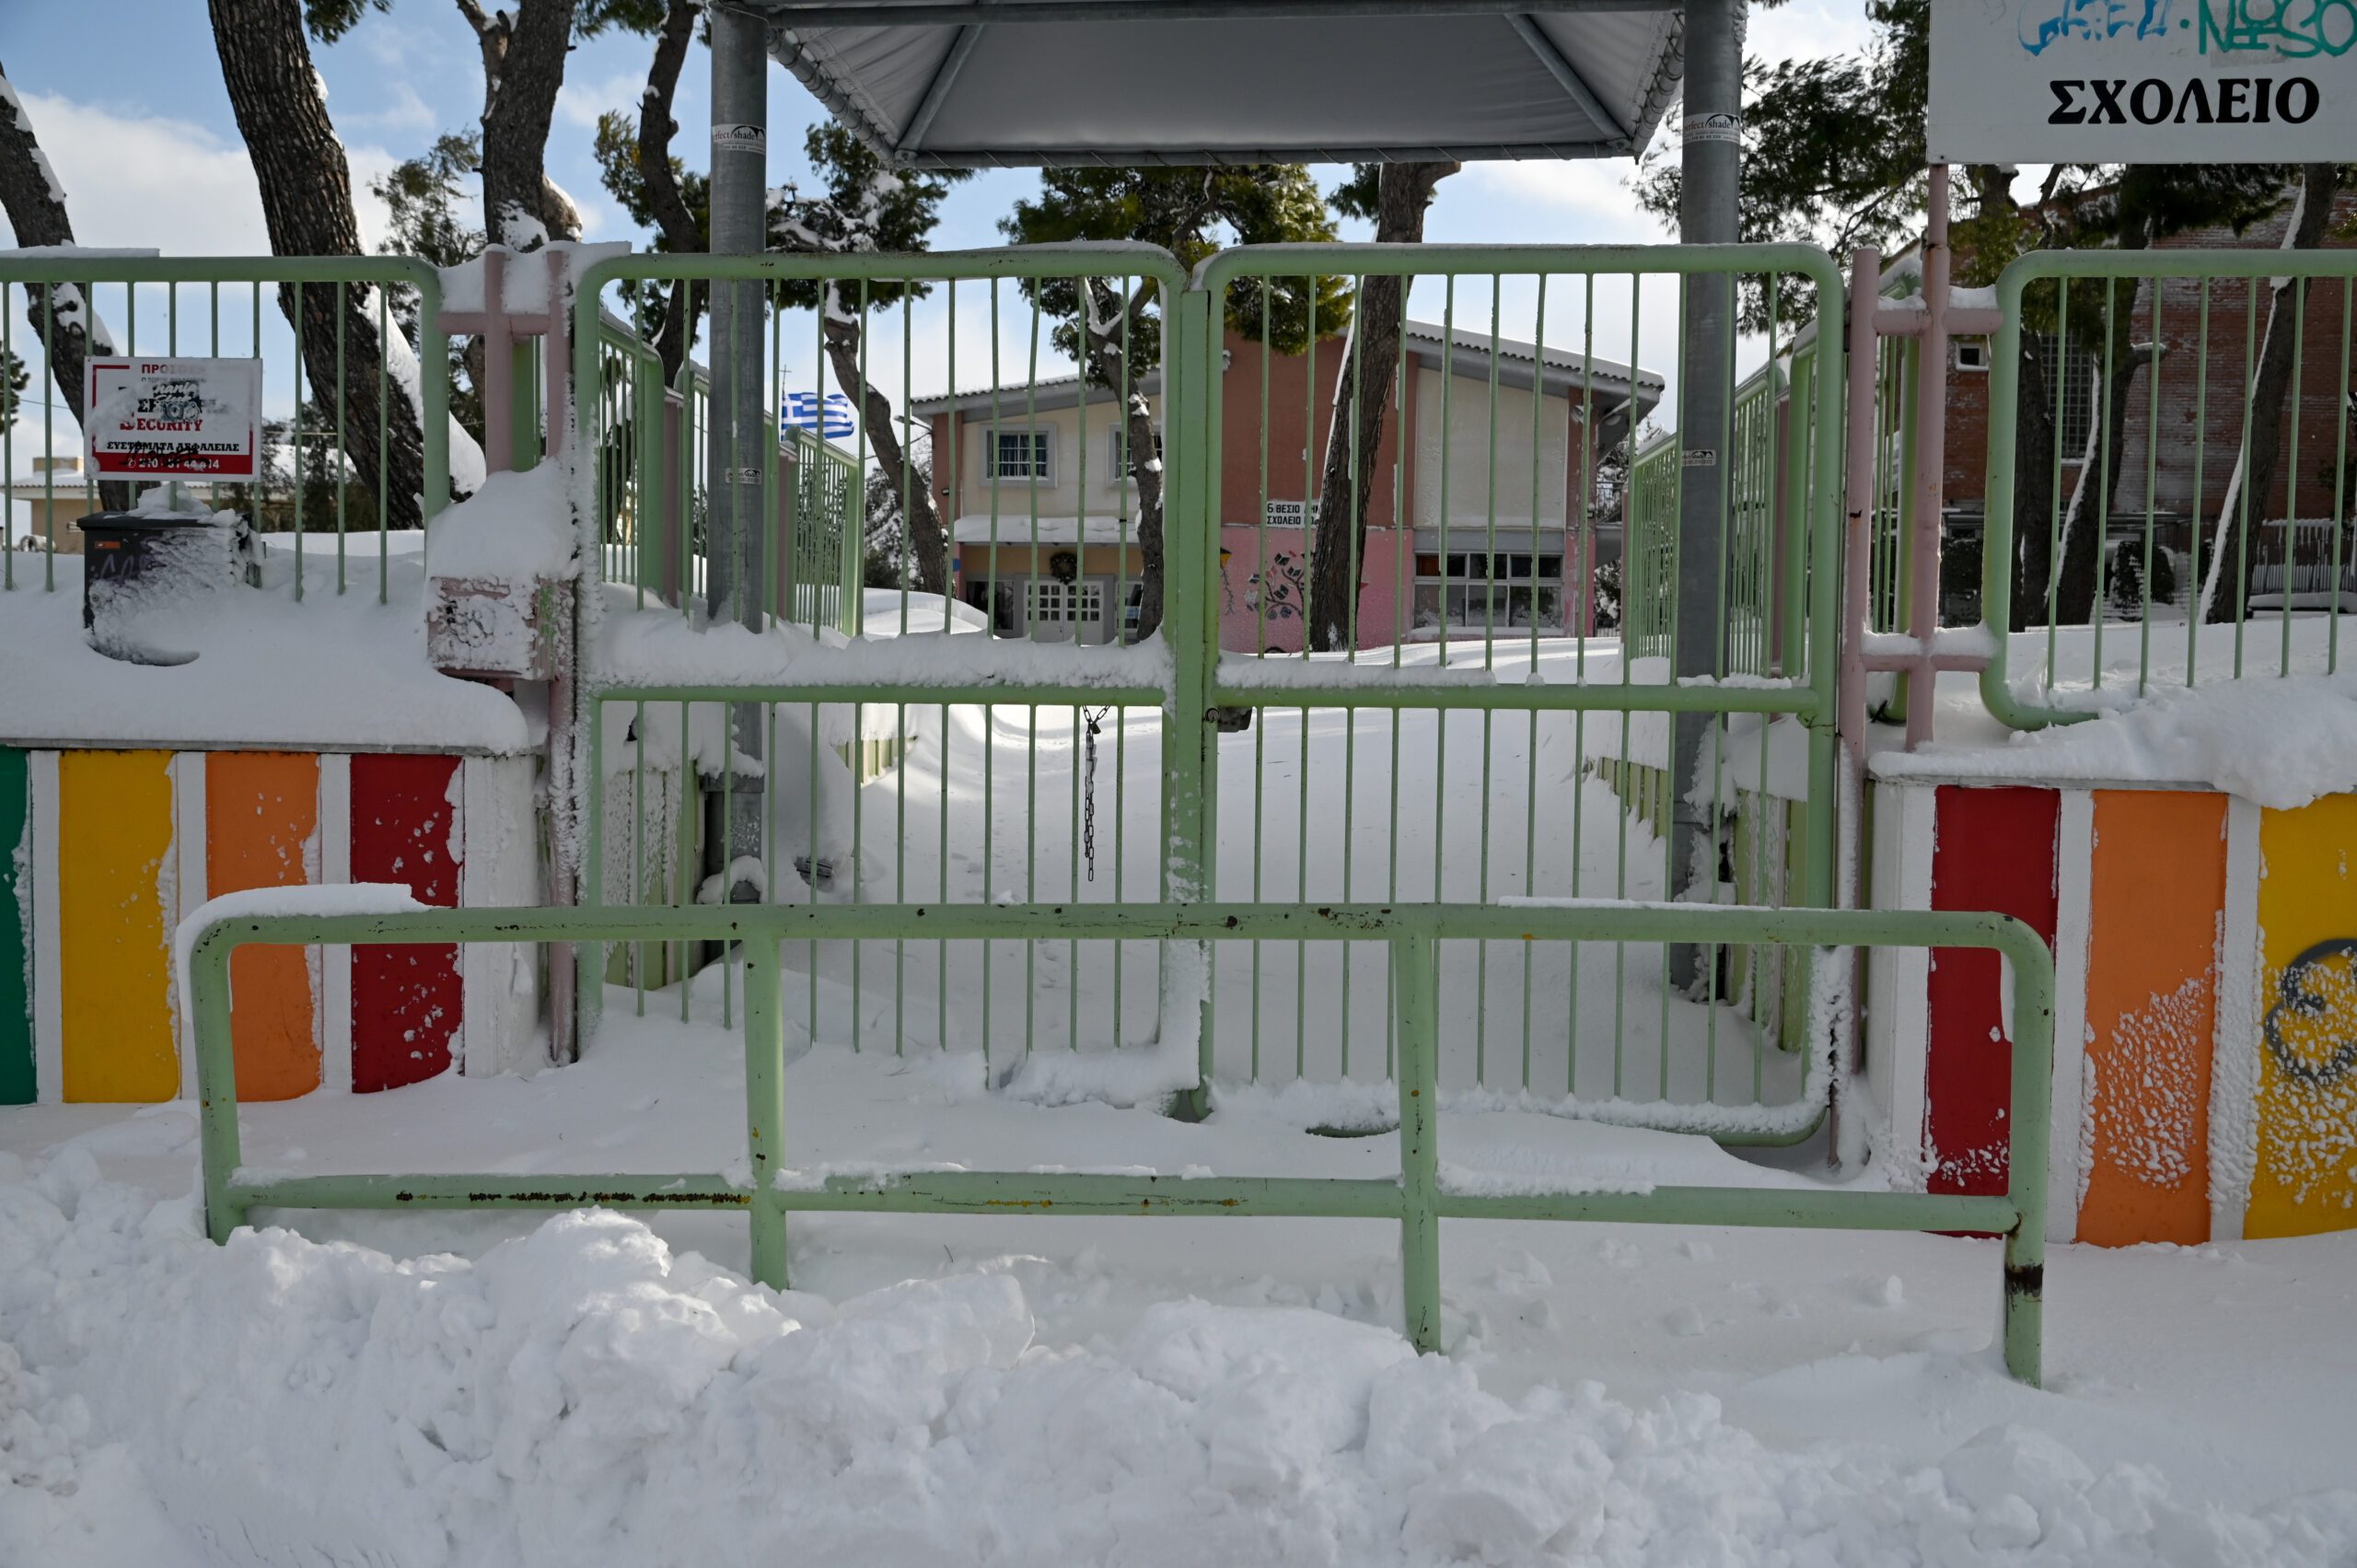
(335, 963)
(1897, 999)
(49, 1009)
(2233, 1072)
(188, 889)
(2066, 1181)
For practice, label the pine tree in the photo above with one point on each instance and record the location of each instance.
(1191, 212)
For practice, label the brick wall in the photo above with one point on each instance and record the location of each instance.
(2200, 438)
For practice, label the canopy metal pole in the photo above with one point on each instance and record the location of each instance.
(1710, 167)
(739, 428)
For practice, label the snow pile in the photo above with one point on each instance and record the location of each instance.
(584, 1394)
(265, 669)
(516, 528)
(2281, 742)
(660, 646)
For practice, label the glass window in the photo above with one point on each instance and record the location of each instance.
(1021, 455)
(2075, 420)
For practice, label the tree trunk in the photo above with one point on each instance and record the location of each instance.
(2084, 524)
(2034, 438)
(521, 205)
(1101, 323)
(2254, 470)
(925, 542)
(2082, 534)
(1361, 396)
(64, 319)
(673, 217)
(306, 203)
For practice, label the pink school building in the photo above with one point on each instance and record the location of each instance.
(1042, 512)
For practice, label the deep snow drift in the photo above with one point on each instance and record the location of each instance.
(585, 1389)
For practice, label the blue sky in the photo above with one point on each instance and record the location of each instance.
(149, 153)
(145, 134)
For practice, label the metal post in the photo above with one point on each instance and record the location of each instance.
(1413, 964)
(217, 1088)
(734, 463)
(765, 1104)
(1711, 165)
(1929, 427)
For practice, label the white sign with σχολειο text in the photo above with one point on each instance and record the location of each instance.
(2143, 81)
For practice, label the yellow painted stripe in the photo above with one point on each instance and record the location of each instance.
(114, 830)
(2307, 1085)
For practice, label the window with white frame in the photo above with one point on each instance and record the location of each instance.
(1021, 455)
(1051, 602)
(1972, 354)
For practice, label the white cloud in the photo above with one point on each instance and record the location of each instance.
(406, 112)
(580, 103)
(1807, 29)
(1575, 200)
(170, 184)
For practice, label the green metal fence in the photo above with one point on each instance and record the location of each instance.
(827, 573)
(970, 812)
(1106, 773)
(350, 459)
(2192, 518)
(1419, 1196)
(652, 484)
(1560, 745)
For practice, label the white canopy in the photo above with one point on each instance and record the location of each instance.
(979, 83)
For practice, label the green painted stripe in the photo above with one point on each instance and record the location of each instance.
(16, 1084)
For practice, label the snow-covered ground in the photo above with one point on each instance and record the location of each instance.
(592, 1390)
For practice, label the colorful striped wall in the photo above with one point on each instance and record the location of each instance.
(16, 1078)
(2205, 1082)
(101, 853)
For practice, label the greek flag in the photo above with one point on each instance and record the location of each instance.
(830, 416)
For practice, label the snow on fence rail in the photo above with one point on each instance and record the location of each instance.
(767, 1187)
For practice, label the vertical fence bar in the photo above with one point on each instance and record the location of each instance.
(1414, 961)
(765, 1104)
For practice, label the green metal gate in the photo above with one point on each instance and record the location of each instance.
(1130, 774)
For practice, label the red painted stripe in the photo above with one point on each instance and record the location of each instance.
(405, 1000)
(1994, 850)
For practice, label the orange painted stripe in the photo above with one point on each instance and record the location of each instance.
(260, 812)
(114, 830)
(2159, 883)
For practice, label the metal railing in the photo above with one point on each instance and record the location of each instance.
(1089, 775)
(1352, 755)
(2146, 551)
(335, 446)
(1420, 1197)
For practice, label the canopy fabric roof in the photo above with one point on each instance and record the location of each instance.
(1124, 82)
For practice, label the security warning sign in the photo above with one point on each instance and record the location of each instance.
(2143, 81)
(173, 418)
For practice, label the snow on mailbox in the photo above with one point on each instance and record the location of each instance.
(174, 418)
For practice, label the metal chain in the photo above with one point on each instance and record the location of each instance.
(1088, 789)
